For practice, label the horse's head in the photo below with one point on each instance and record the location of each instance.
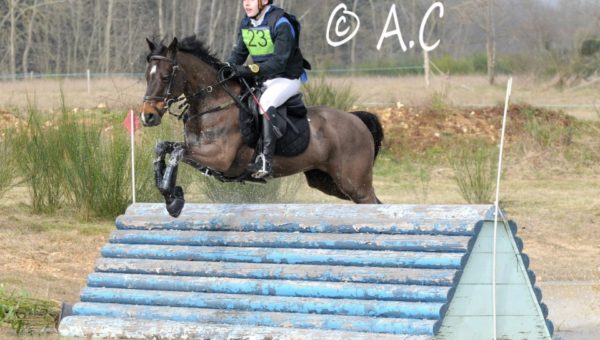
(163, 85)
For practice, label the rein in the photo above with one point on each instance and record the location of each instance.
(222, 81)
(169, 101)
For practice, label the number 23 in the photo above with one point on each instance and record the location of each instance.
(260, 35)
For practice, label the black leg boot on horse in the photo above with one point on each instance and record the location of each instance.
(166, 176)
(263, 166)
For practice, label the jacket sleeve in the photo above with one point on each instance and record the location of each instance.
(284, 45)
(240, 52)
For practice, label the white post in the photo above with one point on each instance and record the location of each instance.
(132, 115)
(89, 85)
(497, 205)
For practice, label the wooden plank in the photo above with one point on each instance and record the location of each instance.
(105, 328)
(309, 224)
(382, 275)
(271, 287)
(290, 256)
(266, 319)
(423, 243)
(325, 212)
(285, 304)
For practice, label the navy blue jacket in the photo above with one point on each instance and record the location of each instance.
(286, 61)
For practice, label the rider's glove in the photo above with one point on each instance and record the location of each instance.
(241, 71)
(245, 71)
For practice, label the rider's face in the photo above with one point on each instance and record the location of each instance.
(251, 7)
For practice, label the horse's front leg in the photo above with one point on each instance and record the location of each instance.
(161, 150)
(166, 176)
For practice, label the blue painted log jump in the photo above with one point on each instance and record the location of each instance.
(308, 271)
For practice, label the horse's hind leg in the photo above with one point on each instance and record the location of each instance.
(356, 182)
(321, 180)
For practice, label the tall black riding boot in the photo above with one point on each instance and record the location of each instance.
(263, 165)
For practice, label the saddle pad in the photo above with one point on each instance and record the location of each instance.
(290, 145)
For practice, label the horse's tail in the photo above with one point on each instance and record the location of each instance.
(372, 122)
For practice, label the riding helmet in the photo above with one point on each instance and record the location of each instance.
(261, 6)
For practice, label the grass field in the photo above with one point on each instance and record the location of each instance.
(552, 191)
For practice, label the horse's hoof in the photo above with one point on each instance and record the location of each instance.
(176, 205)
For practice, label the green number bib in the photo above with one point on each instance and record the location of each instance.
(258, 41)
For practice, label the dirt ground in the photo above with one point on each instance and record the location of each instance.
(557, 206)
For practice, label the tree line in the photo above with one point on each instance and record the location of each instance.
(71, 36)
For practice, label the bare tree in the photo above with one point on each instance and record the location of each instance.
(90, 50)
(490, 33)
(215, 17)
(25, 60)
(107, 47)
(70, 35)
(161, 19)
(470, 11)
(13, 38)
(174, 17)
(198, 18)
(353, 50)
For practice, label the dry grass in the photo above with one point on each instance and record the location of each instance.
(109, 94)
(125, 93)
(472, 90)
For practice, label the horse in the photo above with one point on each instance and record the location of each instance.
(338, 160)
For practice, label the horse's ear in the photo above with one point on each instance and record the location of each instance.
(173, 46)
(150, 45)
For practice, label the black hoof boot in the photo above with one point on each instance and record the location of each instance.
(175, 206)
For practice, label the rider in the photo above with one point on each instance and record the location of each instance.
(271, 37)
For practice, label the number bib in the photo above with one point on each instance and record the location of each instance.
(258, 41)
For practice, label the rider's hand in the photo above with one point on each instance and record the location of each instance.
(241, 71)
(245, 71)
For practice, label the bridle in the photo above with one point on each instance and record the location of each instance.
(168, 99)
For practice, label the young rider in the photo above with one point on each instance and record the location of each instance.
(271, 37)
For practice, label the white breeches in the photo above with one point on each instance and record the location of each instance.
(278, 91)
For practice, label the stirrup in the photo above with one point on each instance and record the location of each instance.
(263, 171)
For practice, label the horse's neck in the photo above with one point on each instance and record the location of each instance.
(199, 76)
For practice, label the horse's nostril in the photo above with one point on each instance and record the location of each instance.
(148, 119)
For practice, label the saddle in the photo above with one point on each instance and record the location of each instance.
(290, 121)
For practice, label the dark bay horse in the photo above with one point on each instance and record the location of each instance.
(338, 160)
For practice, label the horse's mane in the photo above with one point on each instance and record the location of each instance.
(193, 46)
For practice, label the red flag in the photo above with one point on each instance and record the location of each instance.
(136, 122)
